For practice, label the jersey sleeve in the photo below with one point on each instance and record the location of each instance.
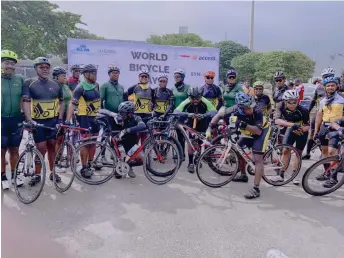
(61, 93)
(102, 91)
(259, 118)
(229, 111)
(305, 116)
(279, 111)
(209, 105)
(182, 105)
(77, 93)
(321, 105)
(26, 91)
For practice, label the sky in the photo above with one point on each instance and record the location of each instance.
(314, 28)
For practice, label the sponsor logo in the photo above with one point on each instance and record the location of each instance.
(184, 56)
(207, 58)
(107, 51)
(196, 74)
(82, 49)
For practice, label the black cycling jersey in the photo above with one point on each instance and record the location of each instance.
(44, 95)
(163, 100)
(263, 103)
(299, 116)
(88, 101)
(319, 94)
(278, 94)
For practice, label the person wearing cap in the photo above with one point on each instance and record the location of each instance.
(111, 92)
(11, 95)
(43, 103)
(300, 88)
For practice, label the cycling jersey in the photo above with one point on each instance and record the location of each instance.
(263, 103)
(72, 83)
(299, 116)
(180, 94)
(213, 94)
(229, 92)
(67, 96)
(163, 100)
(44, 96)
(278, 94)
(112, 94)
(319, 94)
(11, 93)
(249, 90)
(332, 110)
(142, 96)
(301, 90)
(89, 98)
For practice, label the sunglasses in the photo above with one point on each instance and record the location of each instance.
(144, 76)
(231, 77)
(209, 78)
(164, 81)
(292, 102)
(278, 80)
(177, 77)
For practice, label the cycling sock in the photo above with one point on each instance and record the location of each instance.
(256, 187)
(282, 174)
(326, 166)
(3, 176)
(190, 159)
(310, 145)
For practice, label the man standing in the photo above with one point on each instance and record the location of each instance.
(300, 88)
(281, 87)
(11, 92)
(74, 79)
(211, 91)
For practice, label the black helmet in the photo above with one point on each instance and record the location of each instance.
(89, 68)
(40, 60)
(195, 93)
(279, 75)
(75, 66)
(126, 107)
(58, 70)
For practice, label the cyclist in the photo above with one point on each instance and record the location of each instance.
(130, 126)
(300, 88)
(163, 97)
(280, 81)
(251, 122)
(263, 101)
(296, 119)
(196, 107)
(331, 108)
(211, 91)
(43, 103)
(111, 92)
(87, 92)
(247, 88)
(74, 79)
(231, 88)
(11, 93)
(319, 94)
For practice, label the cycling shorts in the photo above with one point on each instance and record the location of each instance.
(88, 122)
(43, 135)
(333, 142)
(128, 141)
(258, 143)
(10, 137)
(291, 138)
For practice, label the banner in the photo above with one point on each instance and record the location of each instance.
(131, 57)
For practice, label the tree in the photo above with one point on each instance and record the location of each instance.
(189, 39)
(37, 28)
(293, 63)
(246, 65)
(228, 50)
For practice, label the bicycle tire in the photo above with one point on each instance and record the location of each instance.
(72, 163)
(198, 166)
(306, 186)
(43, 176)
(268, 155)
(103, 145)
(171, 174)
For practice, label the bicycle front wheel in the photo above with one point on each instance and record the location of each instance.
(314, 178)
(25, 171)
(166, 154)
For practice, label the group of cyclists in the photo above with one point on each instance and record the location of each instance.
(71, 100)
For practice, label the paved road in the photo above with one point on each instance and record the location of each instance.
(134, 218)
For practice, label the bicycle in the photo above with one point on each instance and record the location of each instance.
(26, 165)
(109, 146)
(324, 169)
(228, 163)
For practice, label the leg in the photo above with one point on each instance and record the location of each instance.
(242, 177)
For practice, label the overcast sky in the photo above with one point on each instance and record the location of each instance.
(315, 28)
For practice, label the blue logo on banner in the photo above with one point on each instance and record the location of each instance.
(82, 49)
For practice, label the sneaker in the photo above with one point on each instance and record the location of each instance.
(323, 177)
(58, 178)
(86, 172)
(252, 194)
(35, 179)
(5, 184)
(296, 181)
(19, 182)
(330, 183)
(191, 168)
(131, 173)
(60, 169)
(277, 179)
(240, 178)
(306, 157)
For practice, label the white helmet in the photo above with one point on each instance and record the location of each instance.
(290, 94)
(328, 72)
(162, 76)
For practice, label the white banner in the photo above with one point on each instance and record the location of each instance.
(131, 57)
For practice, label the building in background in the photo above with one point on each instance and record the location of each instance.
(183, 29)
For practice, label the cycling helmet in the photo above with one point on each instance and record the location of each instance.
(258, 84)
(40, 60)
(58, 70)
(279, 75)
(179, 71)
(9, 55)
(162, 76)
(195, 93)
(75, 66)
(330, 79)
(126, 107)
(89, 68)
(113, 68)
(231, 72)
(328, 72)
(290, 94)
(316, 79)
(209, 73)
(144, 72)
(244, 100)
(298, 80)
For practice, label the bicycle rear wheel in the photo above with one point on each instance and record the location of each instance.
(102, 165)
(314, 186)
(169, 159)
(64, 161)
(25, 170)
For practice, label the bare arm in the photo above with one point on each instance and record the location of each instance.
(220, 114)
(70, 111)
(27, 110)
(318, 122)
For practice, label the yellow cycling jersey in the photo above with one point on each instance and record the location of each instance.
(43, 109)
(332, 110)
(88, 101)
(161, 106)
(142, 97)
(215, 101)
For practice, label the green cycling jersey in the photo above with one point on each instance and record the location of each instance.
(11, 93)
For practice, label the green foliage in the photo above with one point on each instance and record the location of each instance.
(37, 28)
(189, 39)
(246, 65)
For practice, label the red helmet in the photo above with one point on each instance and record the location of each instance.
(209, 73)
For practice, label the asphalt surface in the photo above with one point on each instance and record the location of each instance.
(135, 218)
